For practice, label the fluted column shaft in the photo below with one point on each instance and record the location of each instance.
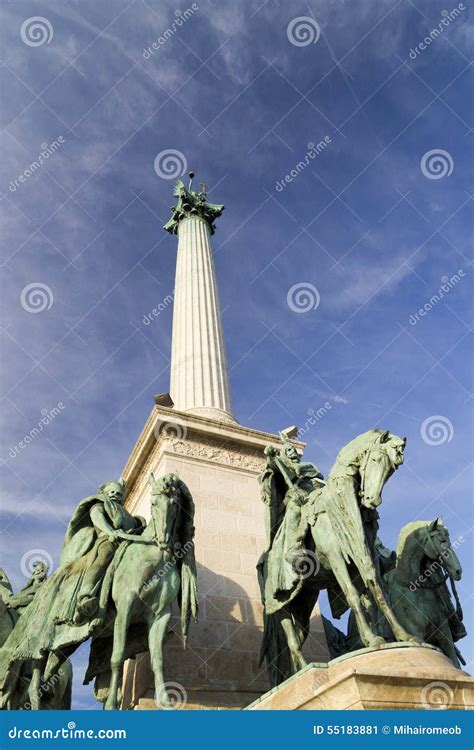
(199, 380)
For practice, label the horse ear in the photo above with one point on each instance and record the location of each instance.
(404, 441)
(384, 436)
(433, 525)
(121, 482)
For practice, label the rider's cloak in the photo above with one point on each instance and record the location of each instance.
(45, 625)
(287, 526)
(81, 534)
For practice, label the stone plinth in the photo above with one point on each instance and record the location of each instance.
(397, 676)
(220, 462)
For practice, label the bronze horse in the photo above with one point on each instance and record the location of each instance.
(339, 529)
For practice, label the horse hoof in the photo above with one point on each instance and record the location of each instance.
(377, 642)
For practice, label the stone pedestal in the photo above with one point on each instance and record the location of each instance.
(397, 676)
(220, 463)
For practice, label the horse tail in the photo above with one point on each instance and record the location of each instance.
(189, 598)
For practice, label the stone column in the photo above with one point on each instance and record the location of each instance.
(199, 380)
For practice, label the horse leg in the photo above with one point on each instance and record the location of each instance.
(341, 574)
(294, 643)
(34, 690)
(156, 633)
(122, 620)
(53, 665)
(398, 631)
(444, 641)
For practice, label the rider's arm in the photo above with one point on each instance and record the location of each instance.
(140, 524)
(99, 519)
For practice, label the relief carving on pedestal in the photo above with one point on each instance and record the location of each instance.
(220, 451)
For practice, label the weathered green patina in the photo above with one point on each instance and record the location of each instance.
(115, 572)
(192, 203)
(417, 587)
(57, 693)
(324, 538)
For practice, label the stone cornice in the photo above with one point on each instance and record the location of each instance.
(175, 425)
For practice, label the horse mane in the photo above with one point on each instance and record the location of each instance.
(405, 533)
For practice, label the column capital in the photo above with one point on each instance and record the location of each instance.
(192, 203)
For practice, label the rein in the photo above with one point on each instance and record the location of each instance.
(459, 611)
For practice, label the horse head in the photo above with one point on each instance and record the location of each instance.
(165, 507)
(437, 546)
(383, 456)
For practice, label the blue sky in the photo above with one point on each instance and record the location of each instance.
(374, 223)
